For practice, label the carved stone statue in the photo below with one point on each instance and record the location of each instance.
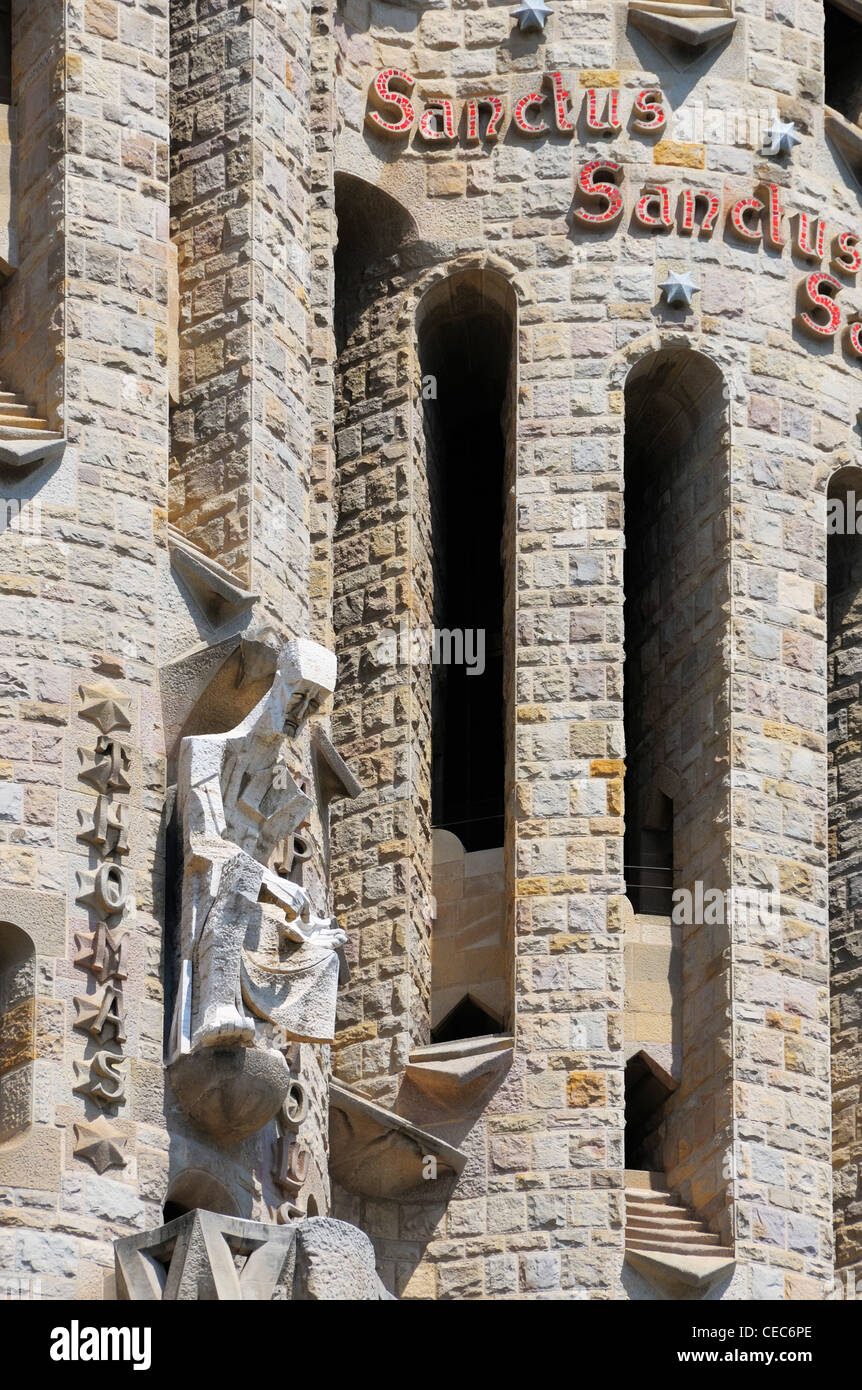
(258, 966)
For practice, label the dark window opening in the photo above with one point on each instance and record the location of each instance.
(467, 1020)
(465, 352)
(5, 52)
(674, 461)
(648, 1087)
(843, 62)
(648, 850)
(844, 642)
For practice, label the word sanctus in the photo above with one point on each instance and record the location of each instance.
(484, 115)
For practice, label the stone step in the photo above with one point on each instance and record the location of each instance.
(671, 1247)
(25, 422)
(655, 1199)
(677, 1223)
(653, 1209)
(642, 1180)
(19, 432)
(17, 419)
(695, 1235)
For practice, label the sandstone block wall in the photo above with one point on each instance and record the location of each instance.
(589, 310)
(298, 460)
(844, 574)
(84, 336)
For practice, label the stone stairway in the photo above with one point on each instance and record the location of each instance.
(16, 416)
(664, 1237)
(24, 436)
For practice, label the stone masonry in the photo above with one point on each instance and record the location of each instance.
(227, 280)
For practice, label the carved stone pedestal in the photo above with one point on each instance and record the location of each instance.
(206, 1256)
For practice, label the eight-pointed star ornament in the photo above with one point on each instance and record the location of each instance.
(678, 288)
(781, 138)
(531, 14)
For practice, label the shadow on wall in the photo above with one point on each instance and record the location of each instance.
(677, 740)
(373, 229)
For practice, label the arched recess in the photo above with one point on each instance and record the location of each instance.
(844, 666)
(677, 740)
(413, 363)
(373, 230)
(379, 874)
(842, 57)
(17, 1030)
(193, 1189)
(466, 335)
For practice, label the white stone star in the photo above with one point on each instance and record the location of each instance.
(532, 14)
(679, 289)
(781, 138)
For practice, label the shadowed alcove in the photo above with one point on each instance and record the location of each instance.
(844, 643)
(676, 577)
(466, 327)
(843, 57)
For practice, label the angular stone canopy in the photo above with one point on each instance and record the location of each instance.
(377, 1153)
(683, 32)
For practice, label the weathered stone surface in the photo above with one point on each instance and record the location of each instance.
(217, 378)
(230, 1093)
(334, 1261)
(195, 1257)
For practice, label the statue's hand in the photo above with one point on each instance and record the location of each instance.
(331, 936)
(319, 931)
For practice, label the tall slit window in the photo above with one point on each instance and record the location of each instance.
(466, 353)
(844, 631)
(676, 577)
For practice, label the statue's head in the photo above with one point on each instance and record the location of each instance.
(304, 679)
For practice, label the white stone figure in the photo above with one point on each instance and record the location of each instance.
(237, 803)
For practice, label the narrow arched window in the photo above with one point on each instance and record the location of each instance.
(465, 348)
(466, 352)
(844, 671)
(676, 577)
(17, 1030)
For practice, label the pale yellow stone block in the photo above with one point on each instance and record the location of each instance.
(676, 152)
(599, 77)
(446, 180)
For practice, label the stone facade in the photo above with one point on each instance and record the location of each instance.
(229, 296)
